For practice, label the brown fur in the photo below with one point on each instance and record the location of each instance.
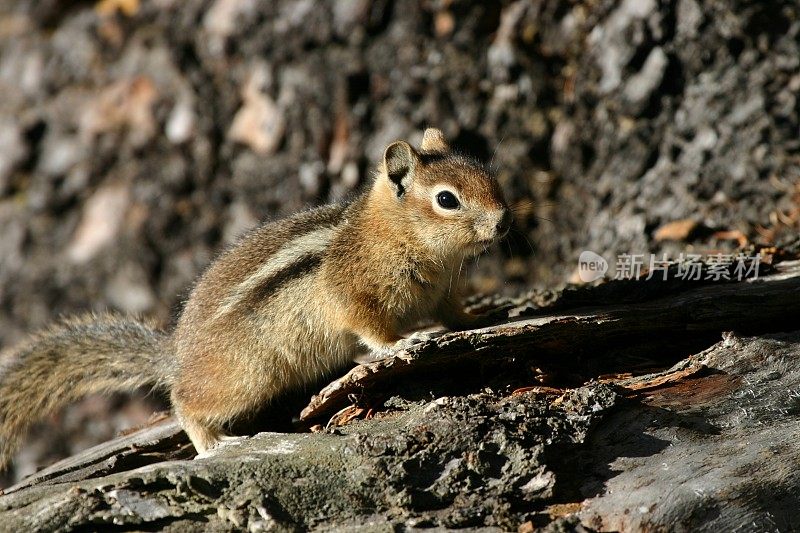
(297, 298)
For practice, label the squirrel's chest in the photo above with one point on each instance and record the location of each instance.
(416, 294)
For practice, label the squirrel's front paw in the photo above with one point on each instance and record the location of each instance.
(377, 353)
(418, 337)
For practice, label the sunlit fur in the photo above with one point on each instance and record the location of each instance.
(290, 302)
(389, 261)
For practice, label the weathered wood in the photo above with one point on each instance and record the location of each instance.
(160, 442)
(716, 453)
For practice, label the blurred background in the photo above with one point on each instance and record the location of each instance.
(139, 137)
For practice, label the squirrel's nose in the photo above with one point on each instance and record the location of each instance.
(504, 225)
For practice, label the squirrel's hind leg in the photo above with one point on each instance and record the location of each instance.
(203, 436)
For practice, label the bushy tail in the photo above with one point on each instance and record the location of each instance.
(71, 359)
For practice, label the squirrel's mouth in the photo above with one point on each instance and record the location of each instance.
(481, 240)
(481, 246)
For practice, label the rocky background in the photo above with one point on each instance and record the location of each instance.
(139, 137)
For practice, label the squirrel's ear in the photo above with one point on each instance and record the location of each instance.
(433, 141)
(399, 161)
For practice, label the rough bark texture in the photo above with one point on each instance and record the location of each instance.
(465, 461)
(707, 445)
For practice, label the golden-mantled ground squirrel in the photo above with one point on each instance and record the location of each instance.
(292, 300)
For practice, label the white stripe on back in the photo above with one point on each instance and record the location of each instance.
(310, 243)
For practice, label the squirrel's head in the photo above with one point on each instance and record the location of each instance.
(451, 202)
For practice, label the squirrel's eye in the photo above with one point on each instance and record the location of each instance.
(447, 200)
